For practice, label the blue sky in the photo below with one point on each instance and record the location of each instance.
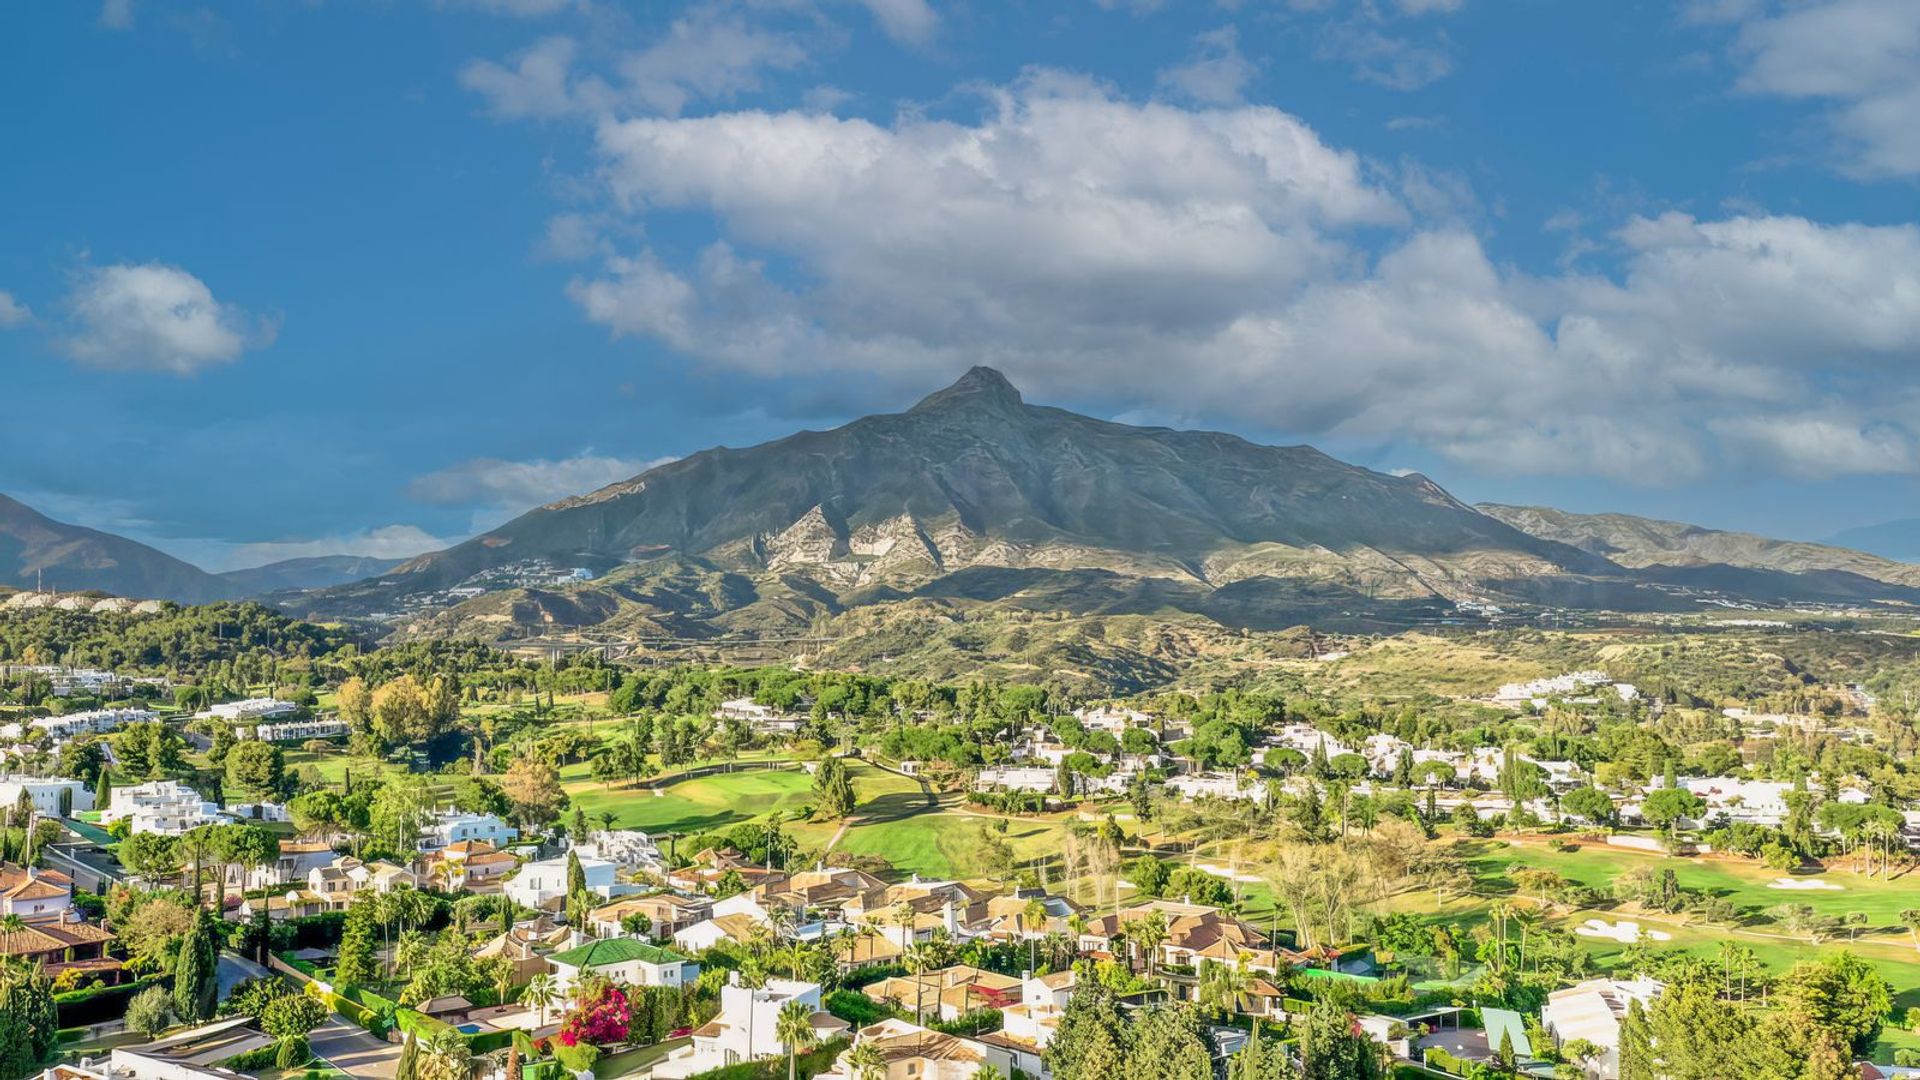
(287, 277)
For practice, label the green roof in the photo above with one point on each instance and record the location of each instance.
(611, 951)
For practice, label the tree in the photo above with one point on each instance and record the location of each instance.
(542, 993)
(290, 1017)
(195, 971)
(358, 960)
(257, 770)
(1664, 807)
(794, 1028)
(867, 1062)
(1840, 994)
(1168, 1045)
(1257, 1061)
(1590, 804)
(1093, 1039)
(29, 1021)
(408, 1067)
(1330, 1048)
(150, 1012)
(833, 797)
(533, 787)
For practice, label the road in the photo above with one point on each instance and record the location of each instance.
(347, 1047)
(234, 969)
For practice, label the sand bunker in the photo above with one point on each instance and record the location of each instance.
(1796, 884)
(1626, 931)
(1221, 871)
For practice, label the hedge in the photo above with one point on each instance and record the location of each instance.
(96, 1004)
(375, 1022)
(856, 1008)
(811, 1063)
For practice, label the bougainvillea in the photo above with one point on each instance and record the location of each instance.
(601, 1021)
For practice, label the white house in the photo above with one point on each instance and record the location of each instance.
(629, 849)
(1383, 752)
(34, 894)
(540, 883)
(744, 1030)
(1111, 718)
(164, 807)
(1215, 785)
(1593, 1010)
(761, 717)
(1308, 740)
(47, 794)
(1027, 1028)
(1015, 778)
(92, 722)
(291, 730)
(453, 826)
(624, 960)
(249, 711)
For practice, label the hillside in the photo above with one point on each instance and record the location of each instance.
(37, 550)
(1639, 542)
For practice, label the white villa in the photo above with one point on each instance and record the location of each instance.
(1593, 1010)
(744, 1029)
(1215, 785)
(291, 730)
(629, 849)
(913, 1052)
(1015, 778)
(164, 807)
(46, 793)
(248, 711)
(624, 960)
(1111, 718)
(762, 717)
(92, 722)
(539, 884)
(453, 826)
(1028, 1027)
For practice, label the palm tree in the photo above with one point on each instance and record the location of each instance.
(866, 1063)
(1149, 934)
(542, 991)
(1035, 913)
(918, 958)
(447, 1055)
(1223, 986)
(794, 1027)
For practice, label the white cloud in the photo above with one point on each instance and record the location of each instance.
(155, 317)
(1215, 72)
(1386, 59)
(534, 86)
(521, 485)
(706, 55)
(1861, 56)
(13, 312)
(909, 21)
(116, 14)
(1221, 262)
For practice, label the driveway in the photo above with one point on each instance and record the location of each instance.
(234, 969)
(348, 1047)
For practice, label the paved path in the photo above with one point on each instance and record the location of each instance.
(347, 1047)
(234, 969)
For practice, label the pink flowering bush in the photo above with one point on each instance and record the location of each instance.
(599, 1022)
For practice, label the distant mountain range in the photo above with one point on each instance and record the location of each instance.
(39, 552)
(1890, 539)
(974, 499)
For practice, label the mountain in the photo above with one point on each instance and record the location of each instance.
(1639, 542)
(974, 502)
(975, 495)
(316, 572)
(37, 550)
(1897, 540)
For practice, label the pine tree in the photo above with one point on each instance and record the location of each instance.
(1168, 1045)
(1505, 1052)
(196, 979)
(1093, 1039)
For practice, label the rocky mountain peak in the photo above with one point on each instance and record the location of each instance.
(979, 387)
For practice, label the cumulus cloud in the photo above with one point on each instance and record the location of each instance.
(1215, 72)
(534, 84)
(491, 483)
(1862, 57)
(1226, 261)
(13, 312)
(155, 317)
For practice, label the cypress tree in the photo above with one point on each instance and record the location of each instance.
(358, 942)
(103, 790)
(196, 980)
